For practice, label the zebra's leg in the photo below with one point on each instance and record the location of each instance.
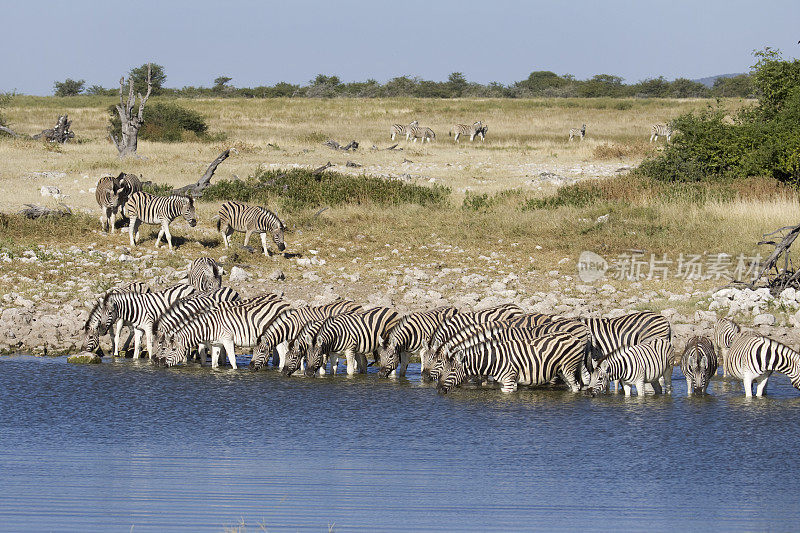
(112, 221)
(104, 219)
(761, 385)
(689, 387)
(747, 381)
(508, 382)
(361, 363)
(133, 229)
(457, 134)
(282, 349)
(228, 345)
(215, 355)
(350, 357)
(149, 339)
(657, 388)
(334, 363)
(627, 388)
(168, 235)
(247, 236)
(201, 354)
(137, 342)
(403, 367)
(264, 244)
(117, 333)
(569, 379)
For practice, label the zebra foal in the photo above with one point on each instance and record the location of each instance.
(648, 362)
(249, 219)
(399, 130)
(151, 209)
(698, 364)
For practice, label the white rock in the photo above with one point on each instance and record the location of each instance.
(238, 275)
(49, 190)
(764, 319)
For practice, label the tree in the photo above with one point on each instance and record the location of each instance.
(685, 88)
(741, 86)
(130, 123)
(69, 87)
(221, 84)
(139, 75)
(457, 84)
(601, 85)
(774, 79)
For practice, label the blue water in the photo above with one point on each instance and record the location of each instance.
(125, 445)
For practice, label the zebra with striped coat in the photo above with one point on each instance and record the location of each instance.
(238, 324)
(577, 132)
(408, 338)
(138, 311)
(402, 130)
(205, 274)
(298, 348)
(698, 364)
(91, 328)
(452, 325)
(724, 332)
(287, 326)
(753, 358)
(660, 130)
(151, 209)
(238, 216)
(419, 132)
(354, 335)
(108, 194)
(648, 362)
(464, 129)
(516, 362)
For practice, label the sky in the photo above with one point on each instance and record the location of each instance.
(264, 42)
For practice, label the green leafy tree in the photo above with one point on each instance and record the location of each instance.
(774, 78)
(741, 86)
(457, 84)
(221, 84)
(69, 87)
(157, 78)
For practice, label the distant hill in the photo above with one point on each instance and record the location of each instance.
(709, 81)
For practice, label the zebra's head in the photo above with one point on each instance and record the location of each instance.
(277, 237)
(440, 365)
(314, 357)
(107, 315)
(698, 367)
(293, 359)
(426, 361)
(453, 374)
(388, 358)
(261, 354)
(414, 123)
(188, 212)
(600, 379)
(176, 353)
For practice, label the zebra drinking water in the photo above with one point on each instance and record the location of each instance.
(648, 362)
(91, 329)
(248, 219)
(663, 130)
(151, 209)
(724, 332)
(408, 337)
(577, 132)
(698, 364)
(754, 358)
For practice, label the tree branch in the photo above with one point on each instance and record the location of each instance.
(196, 189)
(146, 96)
(8, 130)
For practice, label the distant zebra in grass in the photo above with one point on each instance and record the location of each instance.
(108, 194)
(402, 130)
(663, 130)
(353, 335)
(408, 337)
(464, 129)
(287, 326)
(698, 364)
(649, 362)
(577, 132)
(754, 358)
(91, 328)
(237, 216)
(151, 209)
(724, 332)
(520, 361)
(205, 274)
(420, 132)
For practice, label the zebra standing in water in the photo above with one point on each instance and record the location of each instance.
(91, 329)
(698, 364)
(205, 274)
(525, 362)
(108, 195)
(402, 130)
(663, 130)
(648, 362)
(408, 337)
(418, 132)
(577, 132)
(754, 358)
(236, 216)
(464, 129)
(354, 335)
(298, 348)
(724, 332)
(287, 326)
(151, 209)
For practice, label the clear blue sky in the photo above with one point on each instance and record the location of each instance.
(261, 43)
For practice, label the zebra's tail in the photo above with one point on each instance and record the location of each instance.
(219, 223)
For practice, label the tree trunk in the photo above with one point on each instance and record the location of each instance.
(60, 133)
(196, 189)
(130, 122)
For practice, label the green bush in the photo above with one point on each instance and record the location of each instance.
(577, 195)
(167, 122)
(299, 189)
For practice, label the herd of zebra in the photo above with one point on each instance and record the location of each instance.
(125, 192)
(414, 131)
(503, 344)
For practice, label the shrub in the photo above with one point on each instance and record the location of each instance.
(299, 189)
(68, 87)
(167, 122)
(577, 195)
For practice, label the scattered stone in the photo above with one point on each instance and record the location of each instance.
(764, 319)
(277, 275)
(85, 358)
(238, 275)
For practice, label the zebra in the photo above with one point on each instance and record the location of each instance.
(663, 130)
(408, 337)
(515, 362)
(418, 132)
(237, 216)
(577, 132)
(108, 194)
(401, 129)
(755, 357)
(698, 364)
(724, 332)
(453, 324)
(515, 328)
(205, 274)
(183, 310)
(354, 335)
(238, 324)
(298, 348)
(287, 326)
(151, 209)
(482, 131)
(647, 362)
(463, 129)
(91, 328)
(139, 311)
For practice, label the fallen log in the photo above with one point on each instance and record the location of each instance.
(36, 211)
(196, 189)
(8, 130)
(333, 145)
(320, 170)
(60, 133)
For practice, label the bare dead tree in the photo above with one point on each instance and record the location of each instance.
(130, 123)
(333, 145)
(775, 277)
(60, 133)
(196, 189)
